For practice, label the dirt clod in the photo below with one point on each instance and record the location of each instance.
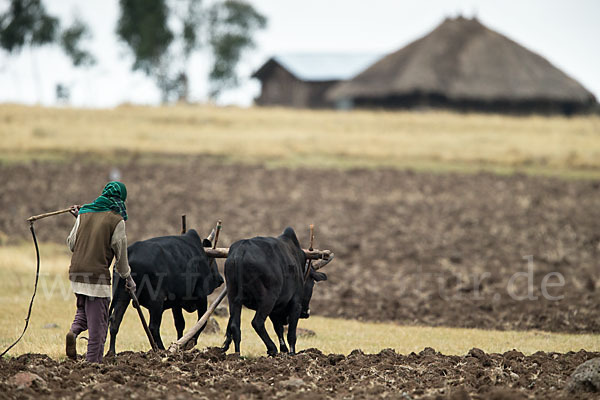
(481, 356)
(27, 379)
(300, 332)
(212, 326)
(586, 377)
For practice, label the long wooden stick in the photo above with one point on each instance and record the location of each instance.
(183, 225)
(218, 230)
(201, 322)
(310, 248)
(136, 305)
(49, 214)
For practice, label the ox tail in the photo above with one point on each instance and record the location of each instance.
(238, 266)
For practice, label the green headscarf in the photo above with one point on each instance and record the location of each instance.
(112, 199)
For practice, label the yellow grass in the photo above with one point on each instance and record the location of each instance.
(429, 140)
(55, 304)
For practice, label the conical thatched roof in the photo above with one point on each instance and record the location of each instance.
(462, 60)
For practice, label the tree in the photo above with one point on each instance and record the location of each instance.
(27, 24)
(232, 25)
(143, 27)
(70, 40)
(162, 35)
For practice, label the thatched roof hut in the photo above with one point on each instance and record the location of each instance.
(464, 65)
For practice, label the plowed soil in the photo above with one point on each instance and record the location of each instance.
(416, 248)
(310, 374)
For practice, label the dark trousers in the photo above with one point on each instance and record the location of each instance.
(92, 315)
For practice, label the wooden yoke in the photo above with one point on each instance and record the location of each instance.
(315, 254)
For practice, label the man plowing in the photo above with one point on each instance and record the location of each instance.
(97, 237)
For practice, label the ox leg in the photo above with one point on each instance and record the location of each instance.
(293, 324)
(115, 322)
(179, 321)
(233, 325)
(227, 342)
(278, 323)
(258, 322)
(156, 311)
(202, 306)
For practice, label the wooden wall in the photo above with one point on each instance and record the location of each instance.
(281, 88)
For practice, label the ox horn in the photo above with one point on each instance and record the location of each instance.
(211, 237)
(327, 257)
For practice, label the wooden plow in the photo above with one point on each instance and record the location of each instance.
(321, 258)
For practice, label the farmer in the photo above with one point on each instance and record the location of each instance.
(97, 236)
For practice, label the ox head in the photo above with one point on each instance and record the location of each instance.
(214, 279)
(311, 277)
(310, 273)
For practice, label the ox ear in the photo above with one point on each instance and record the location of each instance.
(317, 276)
(206, 243)
(291, 235)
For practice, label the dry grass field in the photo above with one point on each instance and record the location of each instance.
(54, 308)
(436, 141)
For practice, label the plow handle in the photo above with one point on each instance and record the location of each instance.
(136, 305)
(201, 322)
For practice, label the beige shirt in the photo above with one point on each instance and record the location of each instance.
(119, 246)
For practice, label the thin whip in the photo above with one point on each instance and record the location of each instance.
(37, 275)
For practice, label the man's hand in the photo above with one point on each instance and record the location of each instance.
(130, 284)
(75, 210)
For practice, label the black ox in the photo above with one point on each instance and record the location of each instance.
(269, 275)
(170, 272)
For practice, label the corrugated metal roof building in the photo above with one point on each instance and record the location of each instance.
(301, 80)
